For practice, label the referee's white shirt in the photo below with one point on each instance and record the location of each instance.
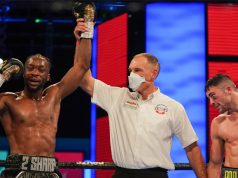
(141, 131)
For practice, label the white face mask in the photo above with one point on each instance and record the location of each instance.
(135, 81)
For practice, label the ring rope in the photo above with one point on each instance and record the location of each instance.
(91, 165)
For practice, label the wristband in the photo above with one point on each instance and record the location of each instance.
(88, 34)
(2, 79)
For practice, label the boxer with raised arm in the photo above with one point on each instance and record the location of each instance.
(30, 117)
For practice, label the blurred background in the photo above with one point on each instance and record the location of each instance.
(192, 39)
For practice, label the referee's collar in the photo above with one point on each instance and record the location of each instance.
(137, 96)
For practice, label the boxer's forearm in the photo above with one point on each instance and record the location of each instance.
(214, 170)
(87, 83)
(83, 54)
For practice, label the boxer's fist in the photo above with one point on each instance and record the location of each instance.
(11, 68)
(86, 11)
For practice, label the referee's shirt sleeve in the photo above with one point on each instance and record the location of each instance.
(102, 95)
(182, 127)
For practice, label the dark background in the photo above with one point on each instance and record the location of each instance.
(21, 36)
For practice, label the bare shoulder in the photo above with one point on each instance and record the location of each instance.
(51, 92)
(217, 123)
(51, 88)
(9, 95)
(220, 118)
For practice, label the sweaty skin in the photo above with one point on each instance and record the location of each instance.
(31, 125)
(30, 117)
(225, 135)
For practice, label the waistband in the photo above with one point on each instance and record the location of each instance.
(229, 172)
(32, 163)
(156, 169)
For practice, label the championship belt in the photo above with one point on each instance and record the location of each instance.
(87, 11)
